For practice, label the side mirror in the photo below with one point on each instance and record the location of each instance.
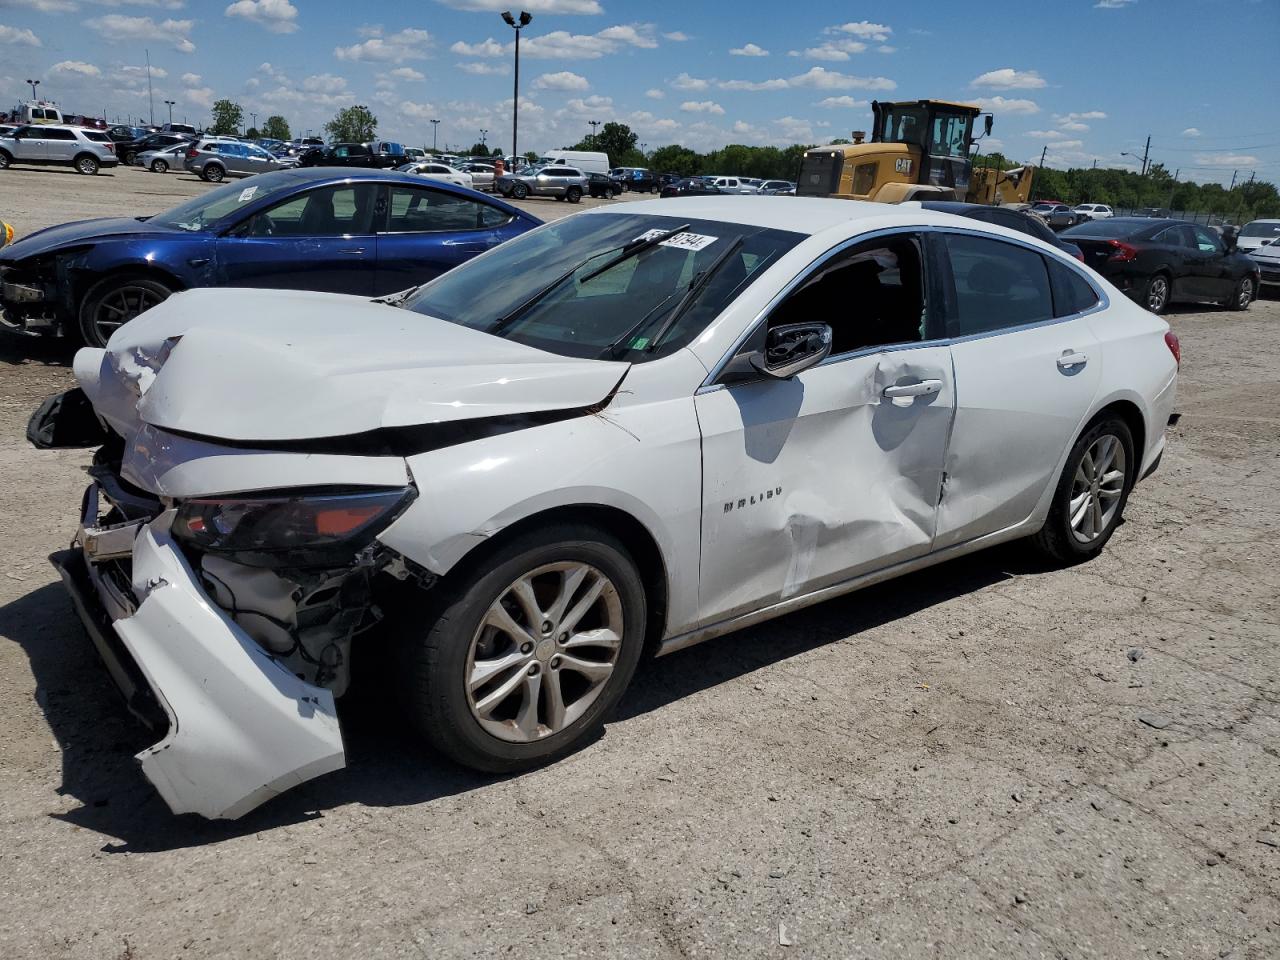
(987, 126)
(792, 349)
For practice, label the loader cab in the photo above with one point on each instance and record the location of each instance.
(941, 131)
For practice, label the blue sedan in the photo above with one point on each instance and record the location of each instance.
(362, 232)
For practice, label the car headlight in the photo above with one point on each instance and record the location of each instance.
(290, 528)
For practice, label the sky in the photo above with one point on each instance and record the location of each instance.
(1088, 79)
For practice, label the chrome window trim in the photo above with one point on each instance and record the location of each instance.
(710, 383)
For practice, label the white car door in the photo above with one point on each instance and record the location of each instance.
(835, 472)
(1027, 367)
(29, 143)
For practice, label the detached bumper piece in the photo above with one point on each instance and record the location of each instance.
(241, 728)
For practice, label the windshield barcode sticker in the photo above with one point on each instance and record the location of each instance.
(247, 194)
(682, 241)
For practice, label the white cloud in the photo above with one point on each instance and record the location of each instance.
(676, 36)
(581, 105)
(326, 83)
(44, 6)
(821, 78)
(533, 6)
(702, 106)
(845, 102)
(563, 45)
(75, 67)
(634, 34)
(1005, 105)
(278, 16)
(417, 111)
(191, 79)
(1007, 78)
(118, 28)
(564, 80)
(1191, 132)
(1046, 134)
(776, 84)
(1074, 126)
(481, 69)
(1226, 160)
(864, 30)
(200, 96)
(488, 47)
(18, 36)
(749, 50)
(1113, 4)
(831, 50)
(136, 73)
(408, 44)
(1067, 144)
(686, 82)
(407, 73)
(885, 48)
(654, 94)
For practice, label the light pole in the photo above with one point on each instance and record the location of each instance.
(34, 84)
(484, 138)
(593, 124)
(170, 104)
(255, 119)
(435, 128)
(517, 25)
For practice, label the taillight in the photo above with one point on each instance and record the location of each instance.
(191, 153)
(111, 148)
(1171, 341)
(1124, 253)
(1079, 254)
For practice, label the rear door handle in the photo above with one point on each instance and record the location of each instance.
(904, 394)
(1069, 360)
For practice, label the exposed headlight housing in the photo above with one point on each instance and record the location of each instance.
(292, 528)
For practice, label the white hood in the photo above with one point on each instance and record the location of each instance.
(262, 365)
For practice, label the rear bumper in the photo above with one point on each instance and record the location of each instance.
(240, 727)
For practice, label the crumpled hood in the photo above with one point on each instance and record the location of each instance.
(263, 365)
(79, 231)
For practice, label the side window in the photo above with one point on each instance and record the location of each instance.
(415, 210)
(997, 285)
(56, 133)
(343, 210)
(1206, 241)
(872, 295)
(341, 151)
(1072, 293)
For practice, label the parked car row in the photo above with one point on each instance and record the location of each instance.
(517, 477)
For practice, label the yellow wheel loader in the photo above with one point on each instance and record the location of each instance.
(919, 150)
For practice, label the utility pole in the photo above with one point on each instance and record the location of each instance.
(1043, 153)
(150, 96)
(1173, 186)
(435, 127)
(1145, 151)
(1233, 181)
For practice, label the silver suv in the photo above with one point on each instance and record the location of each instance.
(58, 145)
(215, 159)
(563, 183)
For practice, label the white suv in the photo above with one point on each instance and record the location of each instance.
(57, 145)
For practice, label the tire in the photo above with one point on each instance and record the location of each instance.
(1155, 295)
(86, 165)
(478, 724)
(115, 301)
(1243, 295)
(520, 191)
(128, 158)
(5, 160)
(213, 173)
(159, 166)
(573, 194)
(558, 198)
(1066, 543)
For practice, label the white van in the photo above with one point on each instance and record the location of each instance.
(585, 160)
(37, 111)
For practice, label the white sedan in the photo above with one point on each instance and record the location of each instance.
(658, 422)
(437, 171)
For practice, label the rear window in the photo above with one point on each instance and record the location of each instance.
(97, 136)
(997, 286)
(1072, 293)
(1107, 228)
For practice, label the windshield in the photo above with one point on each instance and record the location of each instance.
(206, 211)
(594, 309)
(1261, 228)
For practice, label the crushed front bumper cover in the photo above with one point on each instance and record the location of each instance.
(241, 727)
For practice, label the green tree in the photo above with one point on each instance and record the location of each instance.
(227, 117)
(352, 125)
(252, 133)
(618, 141)
(276, 128)
(478, 149)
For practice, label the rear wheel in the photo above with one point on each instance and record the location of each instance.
(159, 166)
(1242, 295)
(213, 173)
(1091, 493)
(573, 194)
(86, 165)
(1155, 297)
(520, 191)
(113, 302)
(129, 157)
(530, 650)
(5, 160)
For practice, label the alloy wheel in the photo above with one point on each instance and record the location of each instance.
(544, 651)
(1245, 295)
(1157, 294)
(120, 306)
(1097, 488)
(87, 166)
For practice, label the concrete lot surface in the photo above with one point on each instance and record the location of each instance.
(986, 759)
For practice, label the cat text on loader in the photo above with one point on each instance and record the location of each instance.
(919, 150)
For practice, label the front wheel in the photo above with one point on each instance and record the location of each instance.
(530, 651)
(573, 194)
(159, 166)
(87, 165)
(1242, 296)
(113, 302)
(1092, 491)
(520, 191)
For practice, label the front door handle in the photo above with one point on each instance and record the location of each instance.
(903, 395)
(1072, 361)
(352, 251)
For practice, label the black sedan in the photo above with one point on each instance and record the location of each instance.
(376, 156)
(1006, 217)
(1158, 262)
(690, 187)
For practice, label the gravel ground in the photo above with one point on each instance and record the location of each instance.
(986, 759)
